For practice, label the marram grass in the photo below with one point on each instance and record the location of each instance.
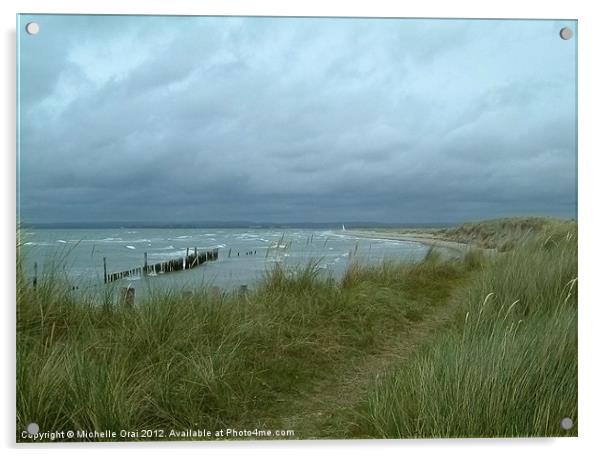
(509, 366)
(505, 364)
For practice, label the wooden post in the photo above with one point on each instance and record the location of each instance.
(104, 263)
(127, 296)
(186, 260)
(35, 274)
(145, 263)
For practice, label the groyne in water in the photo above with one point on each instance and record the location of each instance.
(192, 259)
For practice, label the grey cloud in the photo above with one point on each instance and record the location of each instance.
(295, 119)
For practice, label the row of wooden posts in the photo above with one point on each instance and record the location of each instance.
(191, 260)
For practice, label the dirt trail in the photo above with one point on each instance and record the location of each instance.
(326, 409)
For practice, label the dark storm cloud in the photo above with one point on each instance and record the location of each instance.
(191, 119)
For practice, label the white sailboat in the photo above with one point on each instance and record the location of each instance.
(343, 227)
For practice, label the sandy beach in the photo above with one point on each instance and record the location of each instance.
(427, 239)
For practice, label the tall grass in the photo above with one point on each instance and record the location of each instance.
(509, 366)
(505, 366)
(208, 360)
(501, 234)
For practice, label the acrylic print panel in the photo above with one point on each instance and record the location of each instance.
(250, 228)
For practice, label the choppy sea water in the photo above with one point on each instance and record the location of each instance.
(244, 254)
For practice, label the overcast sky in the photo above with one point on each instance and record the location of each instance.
(289, 120)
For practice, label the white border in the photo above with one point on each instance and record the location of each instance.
(590, 42)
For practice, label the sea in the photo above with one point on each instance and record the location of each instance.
(244, 255)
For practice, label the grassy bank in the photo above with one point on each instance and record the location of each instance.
(207, 360)
(478, 364)
(508, 367)
(502, 234)
(499, 235)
